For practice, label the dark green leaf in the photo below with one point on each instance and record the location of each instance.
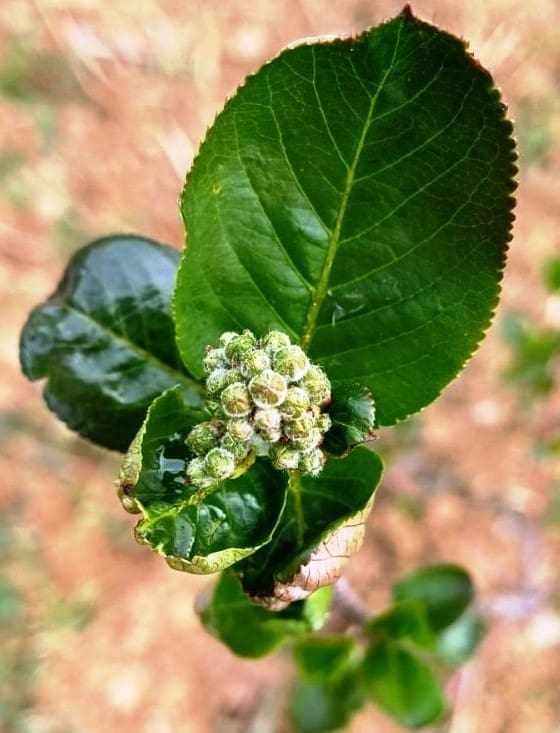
(402, 685)
(324, 706)
(322, 525)
(445, 591)
(249, 630)
(320, 658)
(405, 620)
(352, 412)
(104, 340)
(355, 194)
(195, 532)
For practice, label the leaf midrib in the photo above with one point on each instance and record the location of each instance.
(334, 240)
(147, 356)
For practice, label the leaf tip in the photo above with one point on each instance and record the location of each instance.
(406, 12)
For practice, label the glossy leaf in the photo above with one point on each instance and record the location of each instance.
(355, 194)
(320, 658)
(249, 630)
(445, 591)
(104, 341)
(352, 412)
(195, 531)
(322, 525)
(402, 685)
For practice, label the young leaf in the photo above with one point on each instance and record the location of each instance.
(458, 642)
(104, 340)
(405, 620)
(444, 590)
(320, 658)
(322, 525)
(317, 707)
(355, 194)
(248, 630)
(402, 685)
(194, 531)
(352, 412)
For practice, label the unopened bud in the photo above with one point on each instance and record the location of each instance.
(202, 438)
(253, 362)
(275, 340)
(219, 464)
(317, 385)
(296, 402)
(239, 345)
(268, 389)
(284, 457)
(240, 429)
(291, 362)
(214, 359)
(312, 462)
(236, 400)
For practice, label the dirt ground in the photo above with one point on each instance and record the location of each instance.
(102, 106)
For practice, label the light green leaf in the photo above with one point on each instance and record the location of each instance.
(402, 685)
(355, 194)
(405, 620)
(104, 340)
(320, 658)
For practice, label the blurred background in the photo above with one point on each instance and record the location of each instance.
(102, 107)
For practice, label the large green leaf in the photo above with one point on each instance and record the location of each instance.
(319, 706)
(252, 631)
(194, 531)
(104, 340)
(322, 525)
(355, 194)
(403, 685)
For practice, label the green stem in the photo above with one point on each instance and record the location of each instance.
(294, 487)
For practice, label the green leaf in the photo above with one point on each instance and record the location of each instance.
(355, 194)
(322, 706)
(445, 591)
(104, 340)
(352, 412)
(405, 620)
(249, 630)
(194, 531)
(458, 642)
(402, 685)
(320, 658)
(551, 274)
(322, 525)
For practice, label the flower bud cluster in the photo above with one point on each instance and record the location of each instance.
(267, 399)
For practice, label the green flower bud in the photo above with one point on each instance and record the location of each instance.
(284, 457)
(268, 421)
(214, 359)
(299, 427)
(197, 474)
(219, 464)
(226, 337)
(309, 441)
(323, 422)
(268, 389)
(216, 381)
(260, 445)
(253, 362)
(274, 340)
(296, 402)
(240, 429)
(312, 462)
(236, 400)
(203, 437)
(239, 345)
(238, 449)
(317, 385)
(291, 362)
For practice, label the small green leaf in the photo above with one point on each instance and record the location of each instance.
(402, 685)
(320, 658)
(194, 531)
(405, 620)
(249, 630)
(355, 194)
(104, 340)
(316, 707)
(458, 642)
(551, 273)
(444, 590)
(352, 412)
(322, 525)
